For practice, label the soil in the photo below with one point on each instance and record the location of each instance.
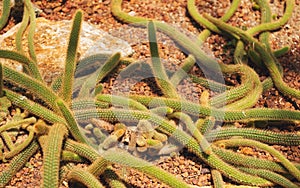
(183, 165)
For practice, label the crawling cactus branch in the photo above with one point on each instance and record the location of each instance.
(51, 155)
(17, 163)
(157, 67)
(62, 139)
(70, 64)
(6, 7)
(246, 142)
(267, 58)
(84, 177)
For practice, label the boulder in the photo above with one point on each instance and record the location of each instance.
(51, 40)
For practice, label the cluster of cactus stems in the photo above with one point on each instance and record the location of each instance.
(52, 124)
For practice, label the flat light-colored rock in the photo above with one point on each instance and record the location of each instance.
(51, 40)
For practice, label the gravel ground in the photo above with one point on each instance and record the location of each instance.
(184, 165)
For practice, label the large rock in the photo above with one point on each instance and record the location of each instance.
(51, 40)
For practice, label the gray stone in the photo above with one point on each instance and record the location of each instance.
(51, 40)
